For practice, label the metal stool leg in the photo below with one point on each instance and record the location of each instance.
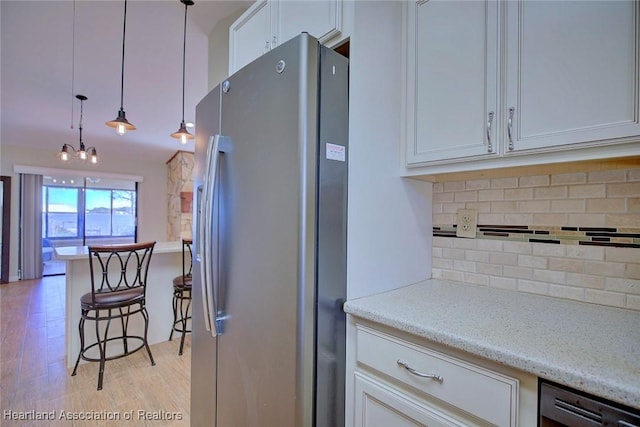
(184, 313)
(146, 329)
(81, 332)
(176, 292)
(102, 346)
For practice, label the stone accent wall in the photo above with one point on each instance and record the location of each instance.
(567, 235)
(180, 195)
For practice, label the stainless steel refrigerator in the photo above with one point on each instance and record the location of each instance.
(268, 340)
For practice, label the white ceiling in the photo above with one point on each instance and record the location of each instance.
(37, 59)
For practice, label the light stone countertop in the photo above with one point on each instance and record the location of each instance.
(67, 253)
(585, 346)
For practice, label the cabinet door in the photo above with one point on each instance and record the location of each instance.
(572, 73)
(320, 18)
(452, 80)
(249, 36)
(378, 405)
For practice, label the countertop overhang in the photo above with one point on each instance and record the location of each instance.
(66, 253)
(589, 347)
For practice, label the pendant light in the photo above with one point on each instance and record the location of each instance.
(182, 134)
(81, 153)
(120, 123)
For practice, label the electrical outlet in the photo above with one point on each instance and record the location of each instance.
(467, 223)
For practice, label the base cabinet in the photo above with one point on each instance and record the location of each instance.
(379, 405)
(398, 381)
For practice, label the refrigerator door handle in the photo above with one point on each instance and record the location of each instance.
(203, 241)
(218, 145)
(200, 253)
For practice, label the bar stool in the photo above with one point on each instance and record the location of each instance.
(118, 291)
(182, 295)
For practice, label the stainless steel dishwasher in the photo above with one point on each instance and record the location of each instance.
(563, 406)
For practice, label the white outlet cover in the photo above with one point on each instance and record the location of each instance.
(467, 223)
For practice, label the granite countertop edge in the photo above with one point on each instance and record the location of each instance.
(414, 309)
(71, 253)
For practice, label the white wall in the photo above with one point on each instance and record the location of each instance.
(219, 50)
(152, 192)
(389, 228)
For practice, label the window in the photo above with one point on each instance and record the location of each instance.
(96, 211)
(109, 213)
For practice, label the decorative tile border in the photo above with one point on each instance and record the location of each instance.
(593, 236)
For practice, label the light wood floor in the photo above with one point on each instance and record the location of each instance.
(34, 379)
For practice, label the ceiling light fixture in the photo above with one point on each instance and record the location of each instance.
(120, 123)
(81, 153)
(182, 133)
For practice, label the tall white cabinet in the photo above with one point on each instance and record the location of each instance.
(452, 86)
(250, 35)
(506, 83)
(571, 73)
(320, 18)
(269, 23)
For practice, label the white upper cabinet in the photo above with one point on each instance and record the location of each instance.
(250, 35)
(493, 84)
(269, 23)
(320, 18)
(572, 72)
(452, 79)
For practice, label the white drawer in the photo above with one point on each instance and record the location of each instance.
(488, 395)
(378, 404)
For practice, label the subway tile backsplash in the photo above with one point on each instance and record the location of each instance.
(571, 235)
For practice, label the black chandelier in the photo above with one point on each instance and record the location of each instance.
(81, 153)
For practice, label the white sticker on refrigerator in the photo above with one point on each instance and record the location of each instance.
(336, 152)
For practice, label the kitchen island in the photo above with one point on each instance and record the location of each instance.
(591, 348)
(165, 264)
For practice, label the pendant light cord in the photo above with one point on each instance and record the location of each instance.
(80, 124)
(73, 58)
(124, 32)
(184, 48)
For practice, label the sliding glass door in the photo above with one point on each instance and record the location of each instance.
(60, 207)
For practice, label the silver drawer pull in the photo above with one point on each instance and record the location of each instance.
(434, 377)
